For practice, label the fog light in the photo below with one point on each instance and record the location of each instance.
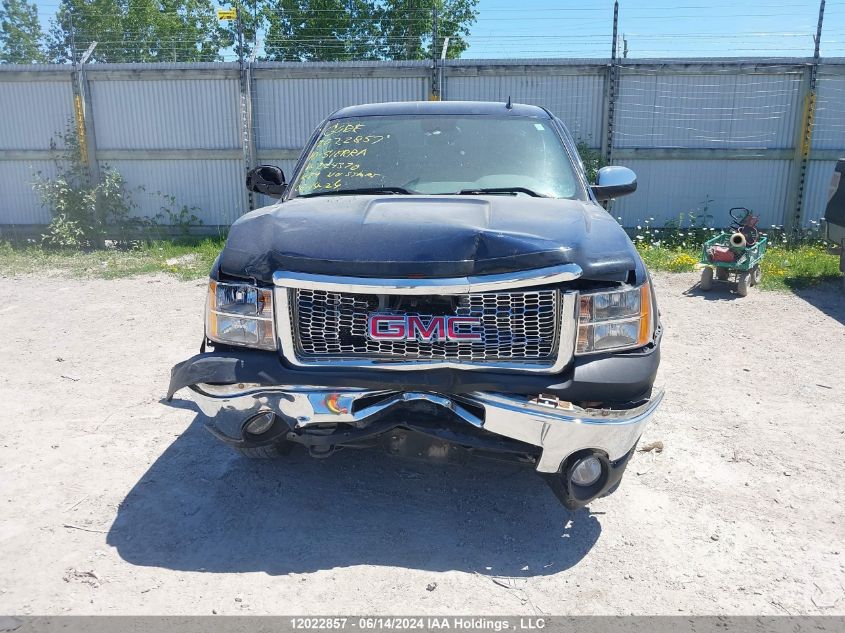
(260, 423)
(586, 472)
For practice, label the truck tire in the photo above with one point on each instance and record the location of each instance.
(722, 274)
(261, 452)
(272, 451)
(742, 284)
(842, 264)
(756, 275)
(706, 282)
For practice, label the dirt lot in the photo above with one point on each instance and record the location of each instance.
(115, 503)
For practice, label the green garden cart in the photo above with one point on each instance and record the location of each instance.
(736, 254)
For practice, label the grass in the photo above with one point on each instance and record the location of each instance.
(783, 268)
(186, 259)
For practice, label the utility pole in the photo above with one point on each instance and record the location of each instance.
(805, 140)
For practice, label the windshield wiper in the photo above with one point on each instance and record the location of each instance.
(361, 191)
(511, 190)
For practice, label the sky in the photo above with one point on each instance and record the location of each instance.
(656, 28)
(652, 28)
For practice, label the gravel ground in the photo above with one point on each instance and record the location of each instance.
(116, 503)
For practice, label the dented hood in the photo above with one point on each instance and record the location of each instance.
(390, 236)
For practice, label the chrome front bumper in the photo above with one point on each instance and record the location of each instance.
(558, 431)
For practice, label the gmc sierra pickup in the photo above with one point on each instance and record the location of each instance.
(437, 279)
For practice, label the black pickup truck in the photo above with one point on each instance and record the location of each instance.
(439, 280)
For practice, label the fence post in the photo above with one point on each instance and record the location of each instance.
(83, 116)
(797, 174)
(609, 100)
(609, 97)
(248, 121)
(434, 95)
(441, 89)
(794, 222)
(244, 86)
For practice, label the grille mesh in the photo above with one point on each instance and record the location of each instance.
(515, 326)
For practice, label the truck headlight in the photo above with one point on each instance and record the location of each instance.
(240, 314)
(616, 320)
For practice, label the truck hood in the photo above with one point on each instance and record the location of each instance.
(392, 236)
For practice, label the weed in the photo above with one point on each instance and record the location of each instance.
(784, 267)
(186, 258)
(793, 260)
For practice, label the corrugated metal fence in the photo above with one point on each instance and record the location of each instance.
(702, 135)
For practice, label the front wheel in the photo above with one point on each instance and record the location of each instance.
(260, 452)
(756, 275)
(742, 284)
(706, 282)
(842, 265)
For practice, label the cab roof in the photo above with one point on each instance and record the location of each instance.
(479, 108)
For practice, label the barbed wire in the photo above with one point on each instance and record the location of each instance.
(779, 29)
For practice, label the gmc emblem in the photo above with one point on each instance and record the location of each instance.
(400, 327)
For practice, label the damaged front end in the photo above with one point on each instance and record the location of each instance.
(540, 366)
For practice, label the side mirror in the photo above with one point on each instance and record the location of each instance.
(613, 182)
(266, 179)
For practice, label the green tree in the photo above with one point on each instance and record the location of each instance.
(78, 22)
(137, 30)
(331, 30)
(321, 30)
(21, 38)
(174, 30)
(406, 27)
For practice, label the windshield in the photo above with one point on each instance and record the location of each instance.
(439, 154)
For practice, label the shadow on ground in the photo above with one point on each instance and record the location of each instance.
(721, 291)
(827, 297)
(200, 507)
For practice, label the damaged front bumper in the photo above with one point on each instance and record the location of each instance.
(355, 414)
(436, 414)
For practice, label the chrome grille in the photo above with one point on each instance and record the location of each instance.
(517, 326)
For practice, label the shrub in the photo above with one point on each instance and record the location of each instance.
(593, 160)
(82, 211)
(85, 213)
